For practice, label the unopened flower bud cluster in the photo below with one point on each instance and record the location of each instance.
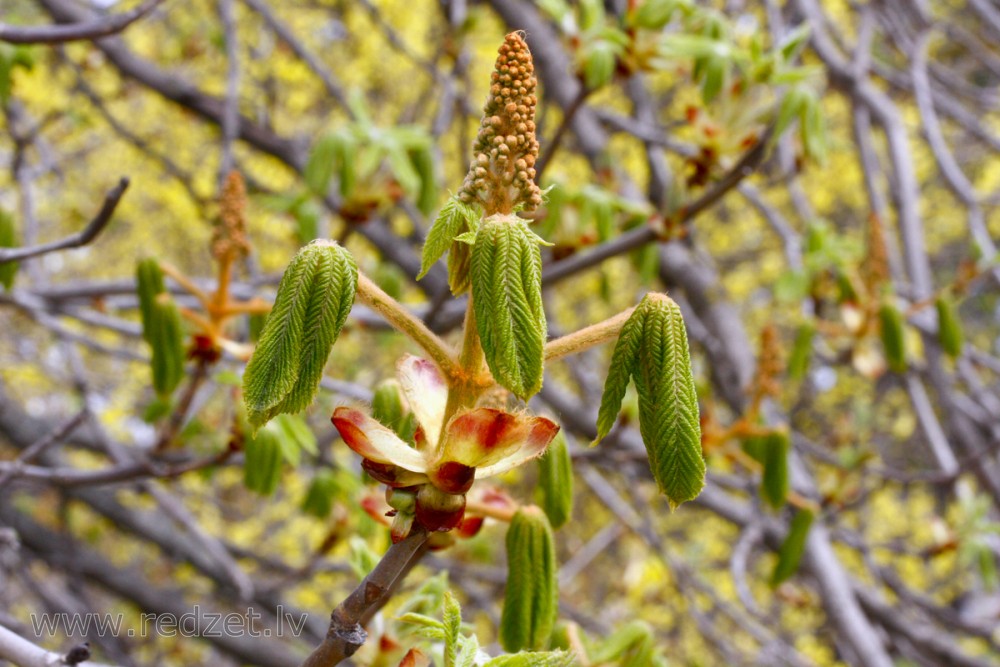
(229, 239)
(502, 172)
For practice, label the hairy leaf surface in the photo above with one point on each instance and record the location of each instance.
(507, 299)
(314, 298)
(652, 349)
(532, 595)
(455, 218)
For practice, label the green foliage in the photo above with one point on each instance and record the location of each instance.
(8, 239)
(555, 481)
(507, 299)
(632, 645)
(771, 451)
(295, 437)
(320, 495)
(532, 596)
(388, 409)
(12, 57)
(798, 360)
(315, 295)
(949, 327)
(790, 553)
(262, 460)
(359, 153)
(161, 327)
(454, 219)
(652, 350)
(893, 339)
(533, 659)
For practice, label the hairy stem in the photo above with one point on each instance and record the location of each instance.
(587, 337)
(403, 321)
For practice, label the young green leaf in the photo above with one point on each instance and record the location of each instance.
(634, 641)
(507, 300)
(949, 327)
(893, 341)
(534, 659)
(555, 481)
(774, 479)
(668, 404)
(792, 548)
(161, 328)
(454, 218)
(652, 348)
(324, 157)
(167, 343)
(8, 239)
(532, 595)
(624, 360)
(314, 297)
(262, 461)
(319, 496)
(798, 360)
(452, 628)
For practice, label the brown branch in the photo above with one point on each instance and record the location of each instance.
(346, 635)
(57, 34)
(642, 235)
(82, 238)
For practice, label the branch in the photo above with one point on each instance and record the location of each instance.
(346, 635)
(587, 337)
(57, 34)
(642, 235)
(403, 321)
(21, 652)
(89, 233)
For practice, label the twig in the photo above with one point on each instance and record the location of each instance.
(39, 446)
(346, 635)
(642, 235)
(587, 337)
(403, 321)
(567, 118)
(57, 34)
(82, 238)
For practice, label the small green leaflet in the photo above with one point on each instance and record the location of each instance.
(652, 350)
(949, 327)
(555, 481)
(262, 461)
(161, 328)
(771, 451)
(507, 300)
(314, 298)
(792, 548)
(531, 599)
(893, 337)
(454, 220)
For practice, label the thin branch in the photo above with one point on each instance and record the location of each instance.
(642, 235)
(82, 238)
(587, 337)
(403, 321)
(57, 34)
(346, 635)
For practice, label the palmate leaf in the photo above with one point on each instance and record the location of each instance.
(652, 349)
(507, 301)
(314, 298)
